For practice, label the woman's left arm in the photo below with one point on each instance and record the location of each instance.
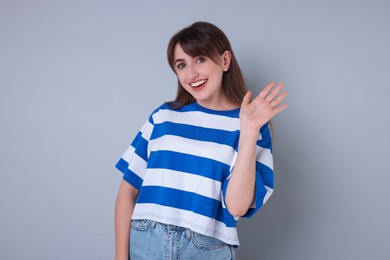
(254, 114)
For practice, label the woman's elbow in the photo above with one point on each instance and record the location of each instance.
(237, 210)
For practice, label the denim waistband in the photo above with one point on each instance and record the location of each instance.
(171, 228)
(155, 240)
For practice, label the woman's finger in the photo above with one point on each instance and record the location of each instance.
(266, 90)
(280, 108)
(275, 102)
(275, 92)
(247, 98)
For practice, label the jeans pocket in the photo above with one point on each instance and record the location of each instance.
(206, 242)
(140, 224)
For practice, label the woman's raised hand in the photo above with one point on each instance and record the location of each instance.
(254, 114)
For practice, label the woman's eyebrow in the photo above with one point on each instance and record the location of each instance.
(179, 60)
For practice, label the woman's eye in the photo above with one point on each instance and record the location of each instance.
(200, 60)
(180, 65)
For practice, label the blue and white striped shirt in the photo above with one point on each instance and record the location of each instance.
(181, 161)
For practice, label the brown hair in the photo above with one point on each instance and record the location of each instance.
(206, 39)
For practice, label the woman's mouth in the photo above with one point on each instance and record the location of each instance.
(198, 83)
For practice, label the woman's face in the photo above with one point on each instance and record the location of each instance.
(202, 77)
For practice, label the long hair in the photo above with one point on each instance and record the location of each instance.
(206, 39)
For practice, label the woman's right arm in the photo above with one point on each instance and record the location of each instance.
(124, 206)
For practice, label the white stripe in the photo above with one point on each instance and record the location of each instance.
(268, 194)
(200, 118)
(129, 153)
(136, 164)
(223, 201)
(264, 156)
(146, 130)
(219, 152)
(183, 218)
(183, 181)
(233, 163)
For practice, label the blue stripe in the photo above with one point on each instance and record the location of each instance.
(141, 146)
(136, 139)
(189, 164)
(235, 113)
(266, 173)
(225, 217)
(186, 201)
(129, 175)
(122, 165)
(150, 119)
(229, 138)
(133, 179)
(265, 142)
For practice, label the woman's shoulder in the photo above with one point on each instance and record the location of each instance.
(175, 106)
(170, 105)
(163, 107)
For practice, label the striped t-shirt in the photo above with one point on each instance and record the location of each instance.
(181, 161)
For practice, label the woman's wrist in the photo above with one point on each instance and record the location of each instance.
(249, 131)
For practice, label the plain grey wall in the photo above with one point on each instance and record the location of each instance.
(78, 79)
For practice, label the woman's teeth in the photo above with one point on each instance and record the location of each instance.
(197, 84)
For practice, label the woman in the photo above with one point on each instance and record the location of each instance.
(199, 162)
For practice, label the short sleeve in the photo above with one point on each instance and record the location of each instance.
(133, 162)
(264, 171)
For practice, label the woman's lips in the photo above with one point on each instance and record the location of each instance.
(198, 83)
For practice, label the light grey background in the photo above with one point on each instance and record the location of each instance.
(79, 78)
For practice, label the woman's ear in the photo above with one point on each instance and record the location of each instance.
(226, 58)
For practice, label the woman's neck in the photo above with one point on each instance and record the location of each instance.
(221, 104)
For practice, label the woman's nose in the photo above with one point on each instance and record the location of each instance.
(192, 73)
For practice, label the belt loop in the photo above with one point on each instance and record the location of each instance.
(188, 234)
(153, 223)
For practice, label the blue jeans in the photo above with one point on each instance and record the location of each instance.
(150, 240)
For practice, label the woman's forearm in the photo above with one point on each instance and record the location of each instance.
(124, 206)
(242, 184)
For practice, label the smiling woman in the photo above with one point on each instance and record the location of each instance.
(206, 42)
(202, 78)
(199, 162)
